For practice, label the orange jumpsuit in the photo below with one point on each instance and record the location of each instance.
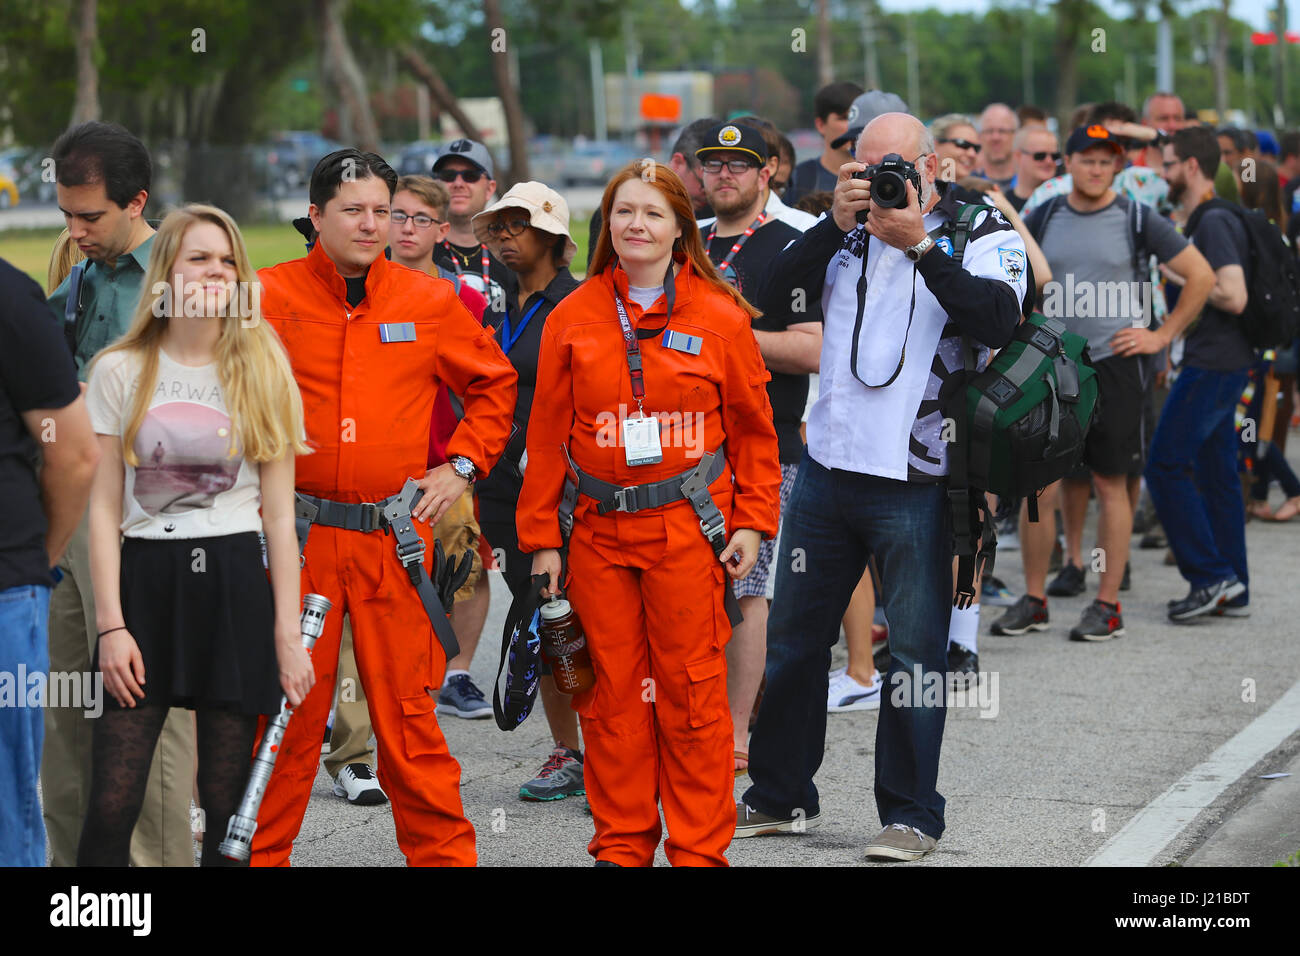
(367, 407)
(646, 586)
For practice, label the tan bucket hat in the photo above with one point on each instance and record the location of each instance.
(546, 210)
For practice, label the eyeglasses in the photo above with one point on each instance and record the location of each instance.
(513, 227)
(451, 175)
(737, 166)
(962, 144)
(420, 220)
(1041, 155)
(997, 132)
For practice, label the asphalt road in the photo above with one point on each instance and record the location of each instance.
(1082, 737)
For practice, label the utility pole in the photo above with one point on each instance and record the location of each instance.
(1164, 56)
(1027, 54)
(629, 62)
(913, 69)
(1248, 72)
(1279, 75)
(825, 68)
(870, 64)
(598, 90)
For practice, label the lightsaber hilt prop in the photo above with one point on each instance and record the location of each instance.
(243, 824)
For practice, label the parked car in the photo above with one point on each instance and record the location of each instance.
(416, 159)
(8, 192)
(292, 156)
(23, 165)
(591, 164)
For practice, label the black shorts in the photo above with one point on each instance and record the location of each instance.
(1117, 441)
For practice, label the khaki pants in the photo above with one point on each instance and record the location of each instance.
(351, 733)
(162, 835)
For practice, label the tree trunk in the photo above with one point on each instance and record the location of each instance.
(86, 106)
(346, 75)
(1071, 28)
(509, 94)
(825, 68)
(442, 95)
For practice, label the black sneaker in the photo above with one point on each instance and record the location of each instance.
(963, 666)
(1069, 583)
(1126, 582)
(1153, 540)
(1027, 614)
(1237, 607)
(1100, 622)
(1201, 601)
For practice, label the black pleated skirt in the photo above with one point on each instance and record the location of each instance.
(201, 611)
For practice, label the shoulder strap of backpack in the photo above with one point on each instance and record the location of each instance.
(1137, 238)
(961, 228)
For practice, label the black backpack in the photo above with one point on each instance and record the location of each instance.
(1272, 315)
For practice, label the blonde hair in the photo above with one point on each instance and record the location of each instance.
(252, 365)
(64, 256)
(428, 190)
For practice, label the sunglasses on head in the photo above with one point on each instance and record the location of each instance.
(1041, 155)
(962, 144)
(451, 175)
(513, 227)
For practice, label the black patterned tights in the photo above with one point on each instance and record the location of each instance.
(122, 752)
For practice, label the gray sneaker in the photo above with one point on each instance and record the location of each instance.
(462, 697)
(750, 823)
(560, 777)
(898, 841)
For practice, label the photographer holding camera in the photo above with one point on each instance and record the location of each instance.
(873, 479)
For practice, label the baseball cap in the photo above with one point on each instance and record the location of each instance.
(1086, 137)
(468, 150)
(866, 108)
(733, 137)
(546, 210)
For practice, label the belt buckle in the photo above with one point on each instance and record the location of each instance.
(370, 517)
(412, 554)
(713, 531)
(625, 499)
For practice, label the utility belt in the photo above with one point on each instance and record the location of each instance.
(691, 485)
(393, 514)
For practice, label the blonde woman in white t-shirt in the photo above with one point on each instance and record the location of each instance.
(199, 420)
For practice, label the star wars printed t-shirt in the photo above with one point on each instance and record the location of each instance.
(187, 484)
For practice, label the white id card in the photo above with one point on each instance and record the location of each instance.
(641, 441)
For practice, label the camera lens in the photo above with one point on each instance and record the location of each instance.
(889, 190)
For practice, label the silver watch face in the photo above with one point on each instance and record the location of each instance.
(463, 467)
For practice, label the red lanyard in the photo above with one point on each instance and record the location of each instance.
(740, 241)
(630, 337)
(455, 261)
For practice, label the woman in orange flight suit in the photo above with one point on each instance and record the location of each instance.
(644, 580)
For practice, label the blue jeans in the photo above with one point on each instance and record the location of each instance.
(1192, 476)
(24, 651)
(834, 521)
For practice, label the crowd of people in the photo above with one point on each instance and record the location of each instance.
(717, 446)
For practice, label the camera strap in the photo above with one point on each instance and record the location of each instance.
(857, 323)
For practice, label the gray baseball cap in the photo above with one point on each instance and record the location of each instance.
(468, 150)
(866, 108)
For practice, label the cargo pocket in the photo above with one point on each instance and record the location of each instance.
(420, 733)
(707, 690)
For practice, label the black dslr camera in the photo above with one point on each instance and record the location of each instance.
(889, 179)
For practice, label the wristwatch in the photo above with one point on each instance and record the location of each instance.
(463, 468)
(921, 248)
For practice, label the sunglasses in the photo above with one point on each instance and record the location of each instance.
(451, 175)
(420, 219)
(962, 144)
(737, 166)
(513, 227)
(1041, 155)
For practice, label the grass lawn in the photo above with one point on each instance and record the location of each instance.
(29, 249)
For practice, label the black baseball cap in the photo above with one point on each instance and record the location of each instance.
(1086, 137)
(735, 138)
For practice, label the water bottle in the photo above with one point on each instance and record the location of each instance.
(565, 648)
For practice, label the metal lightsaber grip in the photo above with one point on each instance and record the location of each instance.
(239, 833)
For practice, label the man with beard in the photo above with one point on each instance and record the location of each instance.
(743, 241)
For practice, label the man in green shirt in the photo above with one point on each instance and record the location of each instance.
(102, 177)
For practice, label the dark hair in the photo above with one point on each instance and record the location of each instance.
(816, 202)
(1288, 144)
(1263, 192)
(835, 98)
(1241, 139)
(1199, 143)
(1029, 113)
(103, 153)
(1112, 109)
(691, 138)
(328, 174)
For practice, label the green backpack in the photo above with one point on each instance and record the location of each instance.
(1023, 421)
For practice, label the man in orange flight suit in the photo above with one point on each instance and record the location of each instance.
(647, 585)
(371, 343)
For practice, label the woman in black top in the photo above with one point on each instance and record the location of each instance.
(528, 230)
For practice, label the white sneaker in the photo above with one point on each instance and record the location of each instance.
(846, 694)
(357, 782)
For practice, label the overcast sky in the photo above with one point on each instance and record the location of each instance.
(1252, 11)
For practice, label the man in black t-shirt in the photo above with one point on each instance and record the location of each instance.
(42, 419)
(742, 241)
(1192, 471)
(465, 168)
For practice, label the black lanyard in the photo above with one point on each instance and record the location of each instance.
(631, 337)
